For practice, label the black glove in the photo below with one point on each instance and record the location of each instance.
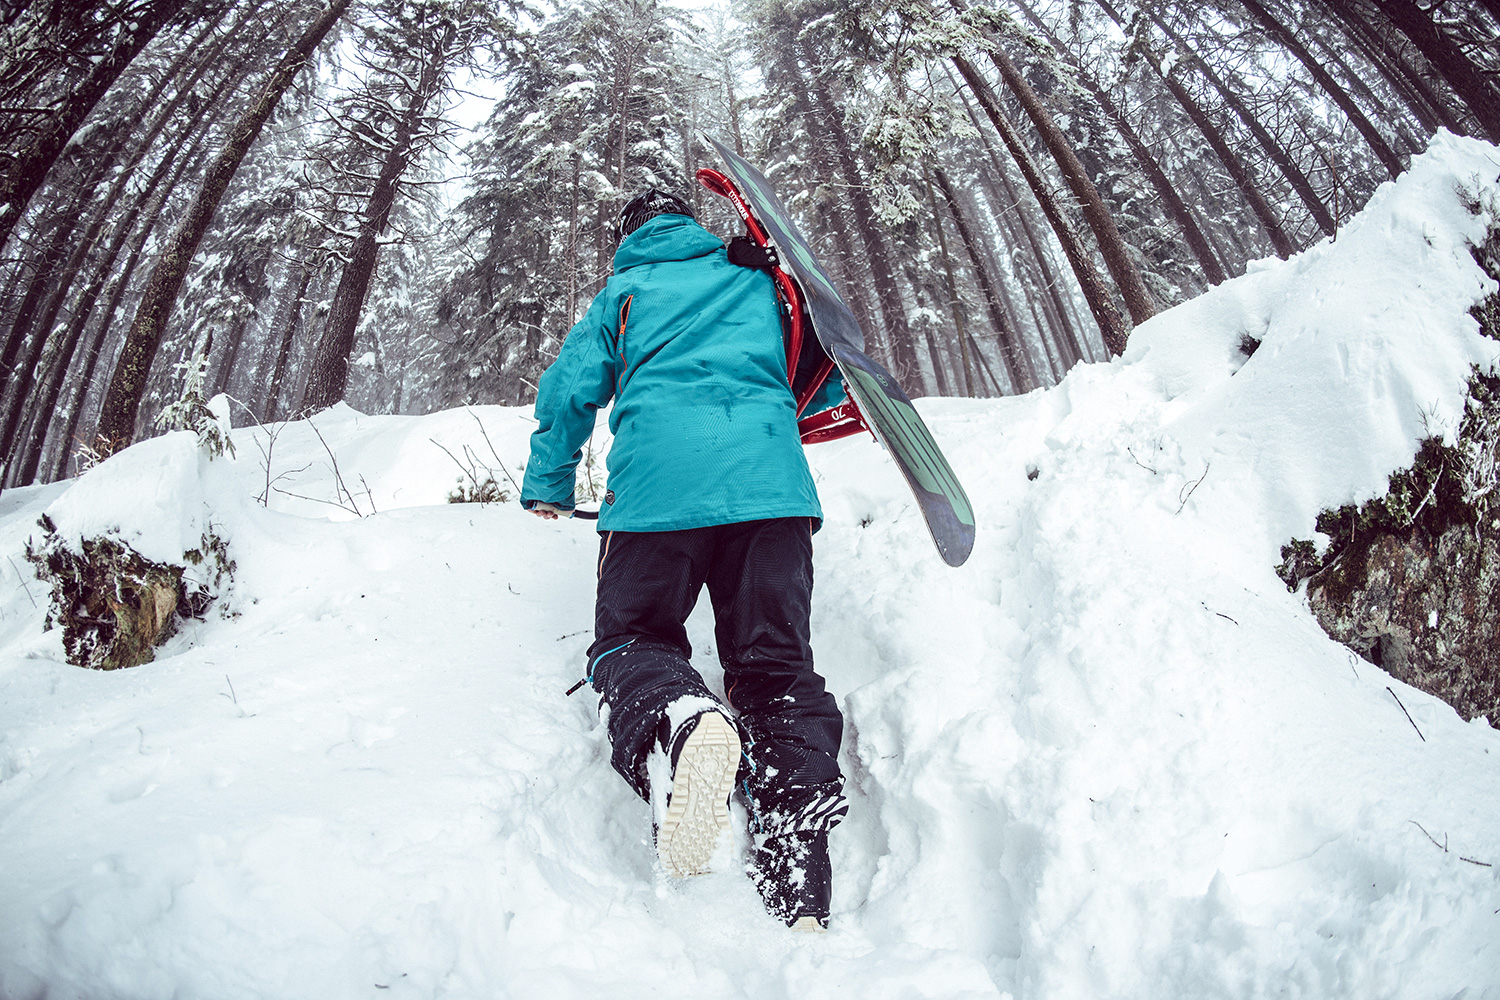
(747, 253)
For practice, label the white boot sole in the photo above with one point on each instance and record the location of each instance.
(698, 812)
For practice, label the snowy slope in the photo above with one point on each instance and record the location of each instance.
(1109, 757)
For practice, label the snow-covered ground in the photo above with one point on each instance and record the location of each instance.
(1111, 756)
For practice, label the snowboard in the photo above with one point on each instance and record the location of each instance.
(883, 405)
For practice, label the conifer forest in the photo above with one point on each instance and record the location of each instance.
(406, 204)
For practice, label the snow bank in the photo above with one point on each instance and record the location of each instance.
(154, 498)
(1109, 757)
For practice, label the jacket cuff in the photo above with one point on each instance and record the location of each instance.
(530, 504)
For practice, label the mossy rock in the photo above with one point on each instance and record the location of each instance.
(1411, 580)
(114, 605)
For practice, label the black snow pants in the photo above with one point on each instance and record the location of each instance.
(759, 577)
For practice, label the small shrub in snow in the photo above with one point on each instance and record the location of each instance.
(189, 412)
(477, 491)
(478, 483)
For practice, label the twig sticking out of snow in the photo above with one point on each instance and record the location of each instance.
(1139, 462)
(486, 435)
(1442, 847)
(235, 698)
(272, 433)
(344, 498)
(1191, 490)
(1408, 718)
(22, 577)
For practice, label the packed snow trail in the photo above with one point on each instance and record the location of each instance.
(1111, 756)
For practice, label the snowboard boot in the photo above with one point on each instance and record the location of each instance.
(705, 754)
(795, 879)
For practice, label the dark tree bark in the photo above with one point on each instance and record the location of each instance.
(329, 375)
(52, 255)
(1111, 323)
(1238, 171)
(56, 349)
(1176, 209)
(1381, 104)
(1010, 213)
(984, 367)
(1288, 40)
(27, 456)
(1111, 244)
(114, 294)
(1274, 150)
(122, 402)
(107, 158)
(1372, 41)
(851, 268)
(1064, 333)
(887, 294)
(226, 364)
(1017, 361)
(954, 305)
(284, 345)
(1477, 90)
(1055, 327)
(25, 174)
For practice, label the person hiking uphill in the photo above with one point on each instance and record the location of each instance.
(707, 485)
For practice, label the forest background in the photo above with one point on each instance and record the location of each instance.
(405, 204)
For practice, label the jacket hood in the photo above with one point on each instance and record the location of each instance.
(665, 237)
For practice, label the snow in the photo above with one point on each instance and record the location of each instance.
(1111, 756)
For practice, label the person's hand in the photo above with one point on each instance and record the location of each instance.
(544, 509)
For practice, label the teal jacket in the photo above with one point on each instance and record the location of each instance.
(689, 347)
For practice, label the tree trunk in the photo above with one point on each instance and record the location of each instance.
(1111, 244)
(107, 160)
(887, 294)
(1361, 89)
(36, 291)
(954, 305)
(1238, 171)
(1040, 256)
(1288, 40)
(25, 451)
(284, 350)
(1171, 201)
(1430, 109)
(25, 174)
(115, 294)
(1475, 88)
(1017, 360)
(122, 401)
(227, 362)
(25, 370)
(850, 268)
(984, 366)
(1111, 324)
(329, 376)
(1273, 149)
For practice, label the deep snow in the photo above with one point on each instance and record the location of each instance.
(1109, 757)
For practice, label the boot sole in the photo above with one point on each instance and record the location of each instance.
(698, 812)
